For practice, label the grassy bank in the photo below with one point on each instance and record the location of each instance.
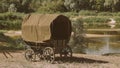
(100, 21)
(93, 19)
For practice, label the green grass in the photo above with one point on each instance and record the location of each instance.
(87, 13)
(11, 16)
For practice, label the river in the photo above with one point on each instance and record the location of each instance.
(103, 45)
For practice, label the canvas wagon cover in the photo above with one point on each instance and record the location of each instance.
(41, 27)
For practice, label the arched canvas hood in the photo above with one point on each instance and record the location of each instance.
(41, 27)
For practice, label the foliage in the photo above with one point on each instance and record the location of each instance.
(10, 43)
(77, 41)
(21, 5)
(12, 8)
(52, 6)
(70, 14)
(112, 5)
(87, 13)
(105, 14)
(28, 6)
(100, 21)
(11, 20)
(99, 5)
(76, 5)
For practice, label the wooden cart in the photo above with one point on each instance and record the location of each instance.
(46, 35)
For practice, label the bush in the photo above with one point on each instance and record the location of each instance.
(10, 20)
(100, 21)
(77, 41)
(10, 43)
(97, 21)
(117, 14)
(105, 14)
(70, 14)
(52, 7)
(15, 25)
(87, 13)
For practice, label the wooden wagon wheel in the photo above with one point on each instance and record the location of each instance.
(48, 54)
(66, 52)
(40, 55)
(30, 55)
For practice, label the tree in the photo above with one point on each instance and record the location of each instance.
(25, 6)
(78, 42)
(35, 4)
(76, 5)
(4, 5)
(12, 8)
(67, 4)
(116, 5)
(99, 5)
(112, 5)
(108, 5)
(52, 6)
(83, 4)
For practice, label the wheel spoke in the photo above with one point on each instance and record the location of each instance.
(30, 55)
(66, 52)
(49, 54)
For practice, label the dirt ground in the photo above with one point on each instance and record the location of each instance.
(78, 61)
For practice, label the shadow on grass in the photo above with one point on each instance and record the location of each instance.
(8, 43)
(79, 60)
(6, 39)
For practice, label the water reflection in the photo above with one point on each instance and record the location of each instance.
(103, 45)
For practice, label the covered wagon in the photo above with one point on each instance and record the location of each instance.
(47, 35)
